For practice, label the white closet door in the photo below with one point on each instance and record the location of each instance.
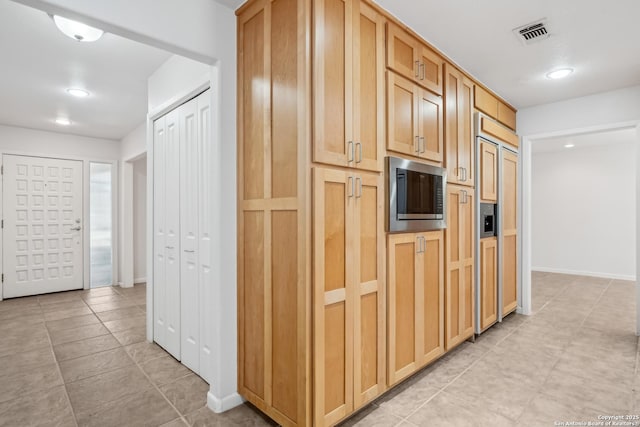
(167, 230)
(189, 172)
(205, 192)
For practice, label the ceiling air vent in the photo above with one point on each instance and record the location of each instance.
(533, 32)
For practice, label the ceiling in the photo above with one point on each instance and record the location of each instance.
(620, 136)
(599, 39)
(39, 63)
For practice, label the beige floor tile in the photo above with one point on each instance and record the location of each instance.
(545, 411)
(373, 416)
(13, 313)
(17, 322)
(103, 299)
(164, 370)
(131, 336)
(98, 292)
(94, 364)
(575, 391)
(92, 393)
(407, 399)
(77, 334)
(26, 361)
(46, 409)
(240, 416)
(187, 394)
(72, 322)
(124, 324)
(123, 313)
(446, 410)
(143, 352)
(63, 314)
(59, 297)
(23, 302)
(113, 305)
(85, 347)
(64, 306)
(26, 338)
(35, 379)
(178, 422)
(148, 408)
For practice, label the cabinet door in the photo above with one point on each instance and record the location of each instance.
(488, 172)
(466, 145)
(460, 151)
(369, 299)
(333, 65)
(452, 82)
(403, 113)
(401, 307)
(432, 307)
(459, 265)
(402, 52)
(430, 70)
(488, 282)
(368, 87)
(430, 127)
(509, 231)
(334, 201)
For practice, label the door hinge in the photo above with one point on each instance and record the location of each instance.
(2, 277)
(2, 170)
(2, 222)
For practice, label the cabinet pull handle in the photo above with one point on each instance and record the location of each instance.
(359, 193)
(423, 144)
(417, 144)
(359, 151)
(419, 242)
(350, 184)
(189, 251)
(350, 151)
(422, 71)
(464, 174)
(417, 69)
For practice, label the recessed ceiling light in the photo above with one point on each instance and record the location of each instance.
(77, 30)
(569, 145)
(63, 122)
(559, 74)
(79, 93)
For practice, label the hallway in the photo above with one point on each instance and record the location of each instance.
(80, 358)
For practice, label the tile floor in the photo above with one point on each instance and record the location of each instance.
(80, 358)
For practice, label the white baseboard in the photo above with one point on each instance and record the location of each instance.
(219, 405)
(584, 273)
(140, 280)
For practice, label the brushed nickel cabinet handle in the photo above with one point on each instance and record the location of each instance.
(359, 152)
(417, 144)
(422, 71)
(350, 151)
(359, 193)
(417, 69)
(423, 144)
(350, 184)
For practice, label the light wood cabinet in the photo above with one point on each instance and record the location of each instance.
(459, 282)
(492, 106)
(414, 119)
(458, 127)
(415, 302)
(509, 225)
(411, 58)
(488, 282)
(488, 172)
(349, 84)
(349, 293)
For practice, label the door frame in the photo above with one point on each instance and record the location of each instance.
(86, 259)
(525, 204)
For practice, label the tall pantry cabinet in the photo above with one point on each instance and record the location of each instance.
(182, 231)
(311, 322)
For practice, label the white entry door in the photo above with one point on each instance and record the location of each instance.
(42, 235)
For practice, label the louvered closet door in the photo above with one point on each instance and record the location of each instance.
(167, 233)
(42, 200)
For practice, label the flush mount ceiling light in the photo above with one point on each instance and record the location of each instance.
(560, 73)
(569, 145)
(78, 93)
(63, 122)
(77, 30)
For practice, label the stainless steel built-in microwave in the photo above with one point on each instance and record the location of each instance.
(417, 196)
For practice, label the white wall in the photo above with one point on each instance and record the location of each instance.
(135, 143)
(177, 75)
(30, 141)
(601, 109)
(584, 211)
(140, 220)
